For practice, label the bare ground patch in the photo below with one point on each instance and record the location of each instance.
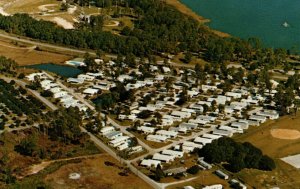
(287, 134)
(95, 173)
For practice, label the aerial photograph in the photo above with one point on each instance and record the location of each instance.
(149, 94)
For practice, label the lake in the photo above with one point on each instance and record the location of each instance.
(253, 18)
(65, 71)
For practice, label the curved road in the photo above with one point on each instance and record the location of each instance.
(69, 49)
(46, 45)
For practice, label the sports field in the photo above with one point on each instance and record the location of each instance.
(278, 139)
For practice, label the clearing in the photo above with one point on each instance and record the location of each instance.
(99, 172)
(26, 55)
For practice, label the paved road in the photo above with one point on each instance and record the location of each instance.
(174, 143)
(69, 49)
(45, 45)
(35, 93)
(128, 163)
(123, 130)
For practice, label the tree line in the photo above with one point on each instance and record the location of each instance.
(158, 28)
(235, 155)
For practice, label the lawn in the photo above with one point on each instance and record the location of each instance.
(203, 178)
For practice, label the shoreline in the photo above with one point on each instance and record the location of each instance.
(187, 11)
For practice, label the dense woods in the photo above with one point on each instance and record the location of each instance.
(157, 28)
(237, 156)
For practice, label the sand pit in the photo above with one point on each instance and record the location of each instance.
(72, 9)
(62, 22)
(287, 134)
(3, 13)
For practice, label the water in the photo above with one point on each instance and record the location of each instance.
(254, 18)
(65, 71)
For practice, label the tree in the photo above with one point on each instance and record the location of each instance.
(64, 6)
(193, 170)
(27, 146)
(21, 76)
(237, 155)
(266, 163)
(221, 108)
(130, 60)
(187, 57)
(159, 174)
(134, 142)
(91, 65)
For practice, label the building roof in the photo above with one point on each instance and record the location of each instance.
(203, 140)
(211, 136)
(172, 152)
(175, 171)
(167, 133)
(112, 134)
(162, 157)
(90, 91)
(157, 137)
(119, 139)
(150, 162)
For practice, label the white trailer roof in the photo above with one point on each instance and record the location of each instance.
(211, 136)
(203, 140)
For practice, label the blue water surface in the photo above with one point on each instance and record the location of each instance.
(254, 18)
(65, 71)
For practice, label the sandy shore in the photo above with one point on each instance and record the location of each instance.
(185, 10)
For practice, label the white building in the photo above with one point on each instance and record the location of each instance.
(181, 114)
(168, 134)
(162, 157)
(157, 138)
(90, 91)
(261, 119)
(177, 154)
(222, 132)
(211, 136)
(146, 130)
(269, 114)
(150, 163)
(60, 94)
(75, 80)
(203, 141)
(119, 141)
(113, 135)
(240, 125)
(123, 146)
(215, 186)
(55, 89)
(86, 77)
(106, 130)
(233, 95)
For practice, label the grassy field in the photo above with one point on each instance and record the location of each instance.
(26, 55)
(29, 6)
(94, 174)
(203, 178)
(285, 176)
